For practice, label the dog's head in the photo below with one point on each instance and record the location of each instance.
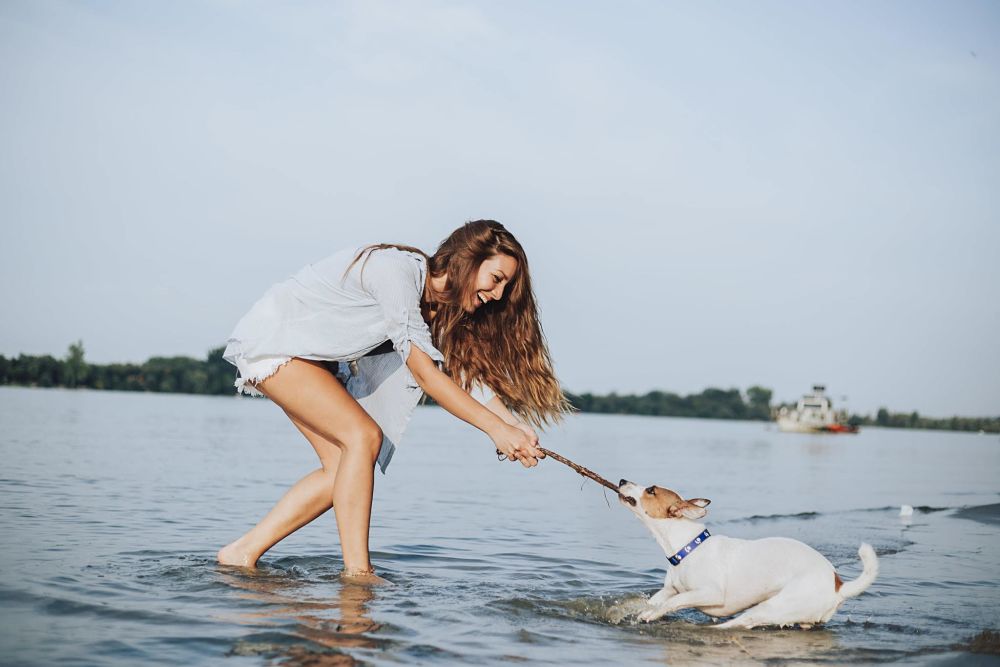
(656, 502)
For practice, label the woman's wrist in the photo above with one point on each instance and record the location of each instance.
(495, 425)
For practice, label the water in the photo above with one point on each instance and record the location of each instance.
(114, 505)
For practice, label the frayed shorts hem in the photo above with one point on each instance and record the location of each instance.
(256, 370)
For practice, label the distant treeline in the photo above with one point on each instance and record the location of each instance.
(214, 375)
(184, 375)
(915, 420)
(709, 404)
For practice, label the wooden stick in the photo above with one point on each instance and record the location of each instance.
(580, 469)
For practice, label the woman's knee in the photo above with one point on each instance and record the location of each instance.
(365, 439)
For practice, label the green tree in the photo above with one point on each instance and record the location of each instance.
(759, 399)
(219, 373)
(43, 371)
(74, 367)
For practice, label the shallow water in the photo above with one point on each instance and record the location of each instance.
(114, 504)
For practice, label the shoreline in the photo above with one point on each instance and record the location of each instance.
(579, 411)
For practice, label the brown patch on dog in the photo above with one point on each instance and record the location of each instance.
(660, 503)
(837, 583)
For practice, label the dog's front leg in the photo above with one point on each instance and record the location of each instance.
(697, 598)
(661, 596)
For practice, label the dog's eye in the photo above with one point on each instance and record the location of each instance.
(651, 490)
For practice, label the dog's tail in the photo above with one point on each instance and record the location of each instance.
(869, 562)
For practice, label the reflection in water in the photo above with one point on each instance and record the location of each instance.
(315, 630)
(820, 445)
(688, 637)
(701, 644)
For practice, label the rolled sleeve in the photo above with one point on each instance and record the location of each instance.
(395, 280)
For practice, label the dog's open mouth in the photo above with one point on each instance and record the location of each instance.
(628, 499)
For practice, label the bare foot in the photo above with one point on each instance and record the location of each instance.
(364, 577)
(232, 554)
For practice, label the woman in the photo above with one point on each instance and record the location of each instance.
(388, 315)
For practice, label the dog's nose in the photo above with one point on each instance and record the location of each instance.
(622, 482)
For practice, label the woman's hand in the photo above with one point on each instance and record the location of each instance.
(530, 432)
(518, 443)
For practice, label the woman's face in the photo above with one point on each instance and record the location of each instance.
(492, 279)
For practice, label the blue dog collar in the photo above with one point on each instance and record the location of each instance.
(691, 546)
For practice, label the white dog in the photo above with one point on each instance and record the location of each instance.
(776, 580)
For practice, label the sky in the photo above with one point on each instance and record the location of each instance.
(710, 194)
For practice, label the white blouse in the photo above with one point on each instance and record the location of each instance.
(323, 313)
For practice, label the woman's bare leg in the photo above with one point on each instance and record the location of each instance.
(311, 497)
(321, 407)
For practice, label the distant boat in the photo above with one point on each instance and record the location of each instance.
(813, 414)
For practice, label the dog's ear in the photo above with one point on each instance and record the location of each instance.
(687, 509)
(700, 502)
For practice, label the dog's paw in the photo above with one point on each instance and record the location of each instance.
(650, 615)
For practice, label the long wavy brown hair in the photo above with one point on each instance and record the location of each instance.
(501, 345)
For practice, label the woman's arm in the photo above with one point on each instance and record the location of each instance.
(497, 407)
(509, 439)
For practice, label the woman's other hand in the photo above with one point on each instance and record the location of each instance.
(530, 432)
(518, 443)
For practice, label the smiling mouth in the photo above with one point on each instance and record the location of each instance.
(482, 298)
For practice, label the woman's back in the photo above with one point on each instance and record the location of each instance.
(334, 310)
